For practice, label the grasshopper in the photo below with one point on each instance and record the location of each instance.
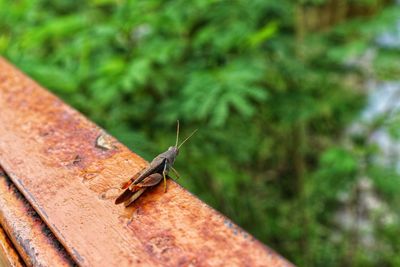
(152, 175)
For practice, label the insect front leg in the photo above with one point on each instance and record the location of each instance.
(176, 173)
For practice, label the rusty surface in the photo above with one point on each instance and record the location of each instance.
(8, 254)
(49, 151)
(34, 241)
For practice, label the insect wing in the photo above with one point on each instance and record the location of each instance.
(128, 183)
(156, 165)
(134, 197)
(124, 196)
(151, 180)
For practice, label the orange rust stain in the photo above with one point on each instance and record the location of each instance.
(39, 145)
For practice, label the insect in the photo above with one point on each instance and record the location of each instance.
(151, 176)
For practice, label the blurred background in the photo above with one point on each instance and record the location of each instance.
(297, 103)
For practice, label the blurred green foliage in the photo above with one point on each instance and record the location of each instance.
(272, 103)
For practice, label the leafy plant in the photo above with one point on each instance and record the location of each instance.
(273, 101)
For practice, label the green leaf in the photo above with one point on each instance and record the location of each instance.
(262, 35)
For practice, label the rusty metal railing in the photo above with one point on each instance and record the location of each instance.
(34, 242)
(57, 196)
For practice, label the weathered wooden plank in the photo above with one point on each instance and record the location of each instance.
(8, 254)
(49, 151)
(30, 236)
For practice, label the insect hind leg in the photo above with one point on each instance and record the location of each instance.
(164, 173)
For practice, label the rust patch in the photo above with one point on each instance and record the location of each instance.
(40, 138)
(77, 159)
(162, 247)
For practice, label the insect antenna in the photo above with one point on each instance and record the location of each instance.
(177, 133)
(187, 138)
